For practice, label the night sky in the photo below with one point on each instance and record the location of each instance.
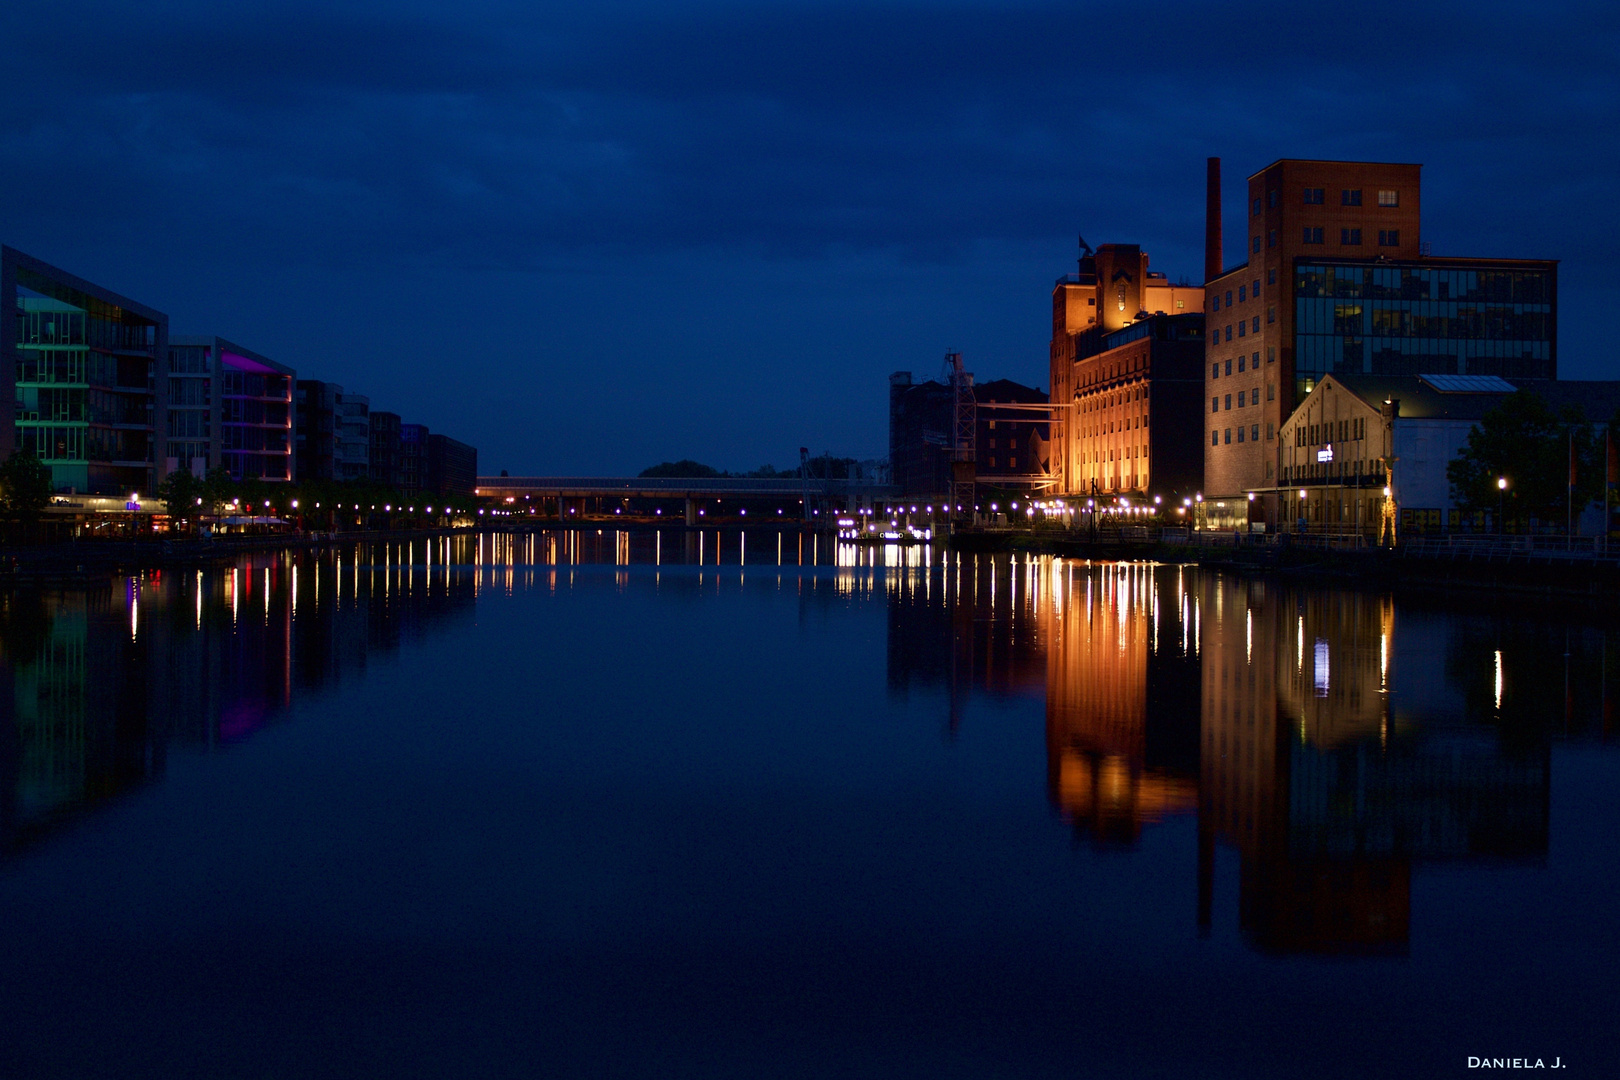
(590, 240)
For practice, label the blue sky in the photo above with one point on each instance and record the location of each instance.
(591, 240)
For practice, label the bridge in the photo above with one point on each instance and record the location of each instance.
(570, 493)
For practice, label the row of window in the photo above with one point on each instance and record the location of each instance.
(1253, 431)
(1313, 234)
(1252, 360)
(1387, 197)
(1129, 453)
(47, 327)
(1243, 291)
(1130, 393)
(1424, 283)
(1322, 434)
(1253, 397)
(83, 444)
(1247, 326)
(254, 384)
(1130, 423)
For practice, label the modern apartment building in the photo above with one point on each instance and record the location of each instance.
(229, 406)
(413, 456)
(317, 425)
(85, 372)
(1336, 280)
(352, 460)
(1126, 364)
(452, 467)
(385, 449)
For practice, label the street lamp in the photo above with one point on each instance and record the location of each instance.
(1501, 486)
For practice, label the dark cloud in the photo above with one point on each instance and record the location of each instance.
(493, 138)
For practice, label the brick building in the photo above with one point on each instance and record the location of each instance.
(1336, 279)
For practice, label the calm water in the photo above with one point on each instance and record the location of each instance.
(643, 805)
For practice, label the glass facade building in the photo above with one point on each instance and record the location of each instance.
(85, 366)
(229, 406)
(1434, 316)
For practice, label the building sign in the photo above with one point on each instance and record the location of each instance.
(1325, 454)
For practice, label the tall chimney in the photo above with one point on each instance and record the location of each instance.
(1212, 222)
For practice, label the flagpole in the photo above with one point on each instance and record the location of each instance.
(1569, 518)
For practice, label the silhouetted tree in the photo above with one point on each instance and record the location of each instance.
(180, 492)
(685, 468)
(25, 488)
(1524, 440)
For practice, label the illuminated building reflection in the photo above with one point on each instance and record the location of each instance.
(1121, 699)
(1333, 781)
(98, 686)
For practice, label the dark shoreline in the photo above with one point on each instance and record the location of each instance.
(1588, 582)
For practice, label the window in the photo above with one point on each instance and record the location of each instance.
(1270, 432)
(1228, 435)
(1240, 365)
(1350, 197)
(1228, 402)
(1254, 325)
(1091, 301)
(1254, 361)
(1255, 292)
(1389, 238)
(1242, 291)
(1228, 297)
(1388, 198)
(1215, 403)
(1313, 196)
(1215, 370)
(1350, 237)
(1229, 367)
(1271, 391)
(1257, 206)
(1240, 434)
(1243, 328)
(1254, 432)
(1313, 235)
(1240, 399)
(1271, 238)
(1271, 197)
(1180, 304)
(1229, 332)
(1271, 354)
(1271, 313)
(1255, 245)
(1214, 438)
(1271, 276)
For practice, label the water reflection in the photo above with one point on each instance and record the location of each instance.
(1336, 740)
(97, 686)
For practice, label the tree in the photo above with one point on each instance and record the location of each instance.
(1524, 440)
(684, 468)
(217, 489)
(181, 493)
(25, 486)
